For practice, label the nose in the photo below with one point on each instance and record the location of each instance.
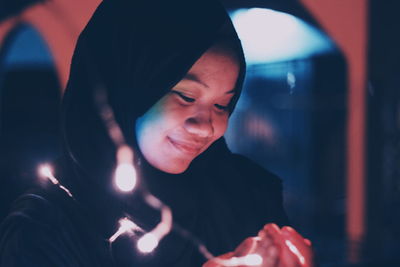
(200, 124)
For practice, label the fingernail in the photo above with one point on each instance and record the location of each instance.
(262, 233)
(307, 241)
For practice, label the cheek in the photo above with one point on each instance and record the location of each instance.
(172, 120)
(156, 119)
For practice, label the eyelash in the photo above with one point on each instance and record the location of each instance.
(222, 108)
(192, 100)
(184, 97)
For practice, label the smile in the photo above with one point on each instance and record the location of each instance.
(186, 147)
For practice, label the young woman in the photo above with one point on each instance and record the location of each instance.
(167, 75)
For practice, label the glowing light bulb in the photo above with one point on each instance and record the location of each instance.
(125, 226)
(125, 177)
(252, 260)
(45, 171)
(147, 243)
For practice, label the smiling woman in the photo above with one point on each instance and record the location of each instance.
(164, 87)
(186, 121)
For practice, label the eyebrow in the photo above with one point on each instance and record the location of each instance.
(194, 78)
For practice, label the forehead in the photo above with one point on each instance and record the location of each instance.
(214, 69)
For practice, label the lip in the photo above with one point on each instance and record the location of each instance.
(186, 147)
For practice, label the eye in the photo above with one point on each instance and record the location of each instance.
(184, 97)
(222, 108)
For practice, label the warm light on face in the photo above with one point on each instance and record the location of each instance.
(147, 243)
(193, 115)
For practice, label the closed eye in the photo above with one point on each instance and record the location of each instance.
(184, 97)
(220, 107)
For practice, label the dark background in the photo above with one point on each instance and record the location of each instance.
(296, 130)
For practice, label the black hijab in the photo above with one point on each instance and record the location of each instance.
(135, 51)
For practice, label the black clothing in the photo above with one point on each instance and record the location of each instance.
(130, 54)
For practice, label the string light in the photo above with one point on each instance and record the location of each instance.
(125, 173)
(252, 260)
(125, 177)
(147, 243)
(45, 171)
(150, 241)
(126, 226)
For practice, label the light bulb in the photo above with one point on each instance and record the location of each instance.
(147, 243)
(252, 260)
(125, 177)
(125, 226)
(45, 171)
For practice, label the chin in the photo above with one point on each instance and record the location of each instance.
(174, 168)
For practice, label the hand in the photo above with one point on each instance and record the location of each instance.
(294, 250)
(277, 247)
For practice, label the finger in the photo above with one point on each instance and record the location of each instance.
(274, 233)
(293, 232)
(287, 259)
(264, 231)
(265, 228)
(270, 226)
(269, 245)
(211, 263)
(296, 238)
(214, 262)
(269, 252)
(308, 242)
(226, 256)
(270, 257)
(295, 243)
(265, 239)
(248, 246)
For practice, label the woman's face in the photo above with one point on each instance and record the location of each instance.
(194, 114)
